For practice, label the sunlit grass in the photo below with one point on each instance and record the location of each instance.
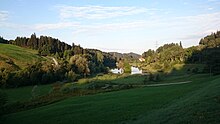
(20, 56)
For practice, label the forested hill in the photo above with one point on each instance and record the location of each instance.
(211, 41)
(129, 56)
(2, 40)
(46, 45)
(207, 52)
(74, 62)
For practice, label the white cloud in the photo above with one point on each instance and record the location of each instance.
(210, 8)
(8, 25)
(216, 2)
(212, 0)
(192, 28)
(77, 27)
(53, 26)
(4, 15)
(199, 23)
(80, 28)
(203, 21)
(110, 27)
(99, 12)
(187, 27)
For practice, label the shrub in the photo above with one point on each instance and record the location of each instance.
(35, 92)
(157, 77)
(195, 70)
(66, 88)
(95, 85)
(56, 86)
(151, 77)
(71, 76)
(146, 79)
(126, 86)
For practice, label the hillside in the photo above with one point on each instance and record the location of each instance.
(129, 56)
(14, 57)
(195, 102)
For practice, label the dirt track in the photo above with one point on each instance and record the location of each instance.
(165, 84)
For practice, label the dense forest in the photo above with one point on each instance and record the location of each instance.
(74, 62)
(2, 40)
(207, 52)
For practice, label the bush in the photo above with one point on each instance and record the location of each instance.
(35, 92)
(95, 85)
(145, 80)
(126, 86)
(67, 88)
(157, 77)
(72, 76)
(56, 87)
(151, 77)
(195, 70)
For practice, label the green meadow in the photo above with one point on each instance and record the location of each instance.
(195, 102)
(25, 93)
(13, 57)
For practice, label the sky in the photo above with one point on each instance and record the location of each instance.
(112, 25)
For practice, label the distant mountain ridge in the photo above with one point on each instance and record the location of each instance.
(130, 55)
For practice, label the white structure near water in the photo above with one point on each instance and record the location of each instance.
(134, 70)
(117, 71)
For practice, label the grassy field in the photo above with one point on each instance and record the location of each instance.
(25, 93)
(13, 57)
(115, 78)
(196, 102)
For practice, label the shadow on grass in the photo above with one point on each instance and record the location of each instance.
(101, 84)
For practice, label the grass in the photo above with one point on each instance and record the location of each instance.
(181, 69)
(196, 102)
(136, 80)
(25, 93)
(21, 57)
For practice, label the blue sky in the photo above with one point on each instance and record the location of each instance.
(112, 25)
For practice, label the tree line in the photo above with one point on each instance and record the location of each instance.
(165, 56)
(2, 40)
(44, 44)
(207, 52)
(74, 62)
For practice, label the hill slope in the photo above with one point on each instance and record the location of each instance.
(125, 55)
(196, 102)
(14, 57)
